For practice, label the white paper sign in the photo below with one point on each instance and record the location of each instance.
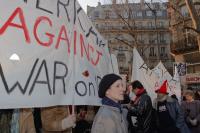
(141, 72)
(61, 56)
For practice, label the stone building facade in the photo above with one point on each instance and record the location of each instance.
(184, 45)
(149, 32)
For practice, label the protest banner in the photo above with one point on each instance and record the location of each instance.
(61, 56)
(141, 72)
(174, 86)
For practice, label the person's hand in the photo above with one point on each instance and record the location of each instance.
(193, 122)
(69, 122)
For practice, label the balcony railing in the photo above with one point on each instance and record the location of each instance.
(185, 45)
(134, 28)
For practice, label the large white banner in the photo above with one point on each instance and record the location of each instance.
(114, 67)
(141, 72)
(62, 57)
(174, 86)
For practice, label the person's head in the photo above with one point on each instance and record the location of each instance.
(174, 97)
(111, 86)
(162, 91)
(136, 86)
(189, 95)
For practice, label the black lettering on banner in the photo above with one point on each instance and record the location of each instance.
(43, 65)
(74, 11)
(59, 3)
(173, 80)
(38, 6)
(97, 79)
(144, 66)
(91, 86)
(95, 34)
(99, 43)
(81, 25)
(78, 11)
(23, 90)
(61, 77)
(150, 73)
(77, 88)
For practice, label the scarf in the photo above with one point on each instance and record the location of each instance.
(139, 93)
(110, 102)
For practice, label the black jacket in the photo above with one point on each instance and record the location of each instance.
(144, 112)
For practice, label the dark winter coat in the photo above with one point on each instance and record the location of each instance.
(143, 110)
(192, 110)
(176, 114)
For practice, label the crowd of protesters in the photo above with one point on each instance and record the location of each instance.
(124, 110)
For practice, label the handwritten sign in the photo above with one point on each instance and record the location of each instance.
(62, 57)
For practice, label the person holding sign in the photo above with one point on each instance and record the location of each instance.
(57, 119)
(111, 118)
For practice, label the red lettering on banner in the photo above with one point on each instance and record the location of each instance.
(23, 26)
(65, 38)
(74, 42)
(98, 58)
(83, 48)
(50, 36)
(88, 50)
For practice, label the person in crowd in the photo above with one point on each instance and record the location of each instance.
(57, 119)
(5, 120)
(169, 114)
(197, 95)
(111, 117)
(174, 97)
(191, 110)
(140, 114)
(26, 121)
(82, 125)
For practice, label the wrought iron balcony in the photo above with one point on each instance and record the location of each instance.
(184, 45)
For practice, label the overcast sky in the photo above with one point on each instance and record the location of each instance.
(84, 3)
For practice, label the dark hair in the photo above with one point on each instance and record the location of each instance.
(137, 84)
(174, 97)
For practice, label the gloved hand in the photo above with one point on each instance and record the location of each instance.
(193, 122)
(69, 122)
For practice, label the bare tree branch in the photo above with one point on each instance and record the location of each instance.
(191, 28)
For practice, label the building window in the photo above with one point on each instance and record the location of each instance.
(152, 51)
(141, 51)
(149, 24)
(107, 14)
(159, 13)
(184, 11)
(163, 52)
(140, 38)
(151, 39)
(121, 57)
(96, 14)
(161, 24)
(139, 14)
(120, 49)
(149, 13)
(162, 40)
(139, 24)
